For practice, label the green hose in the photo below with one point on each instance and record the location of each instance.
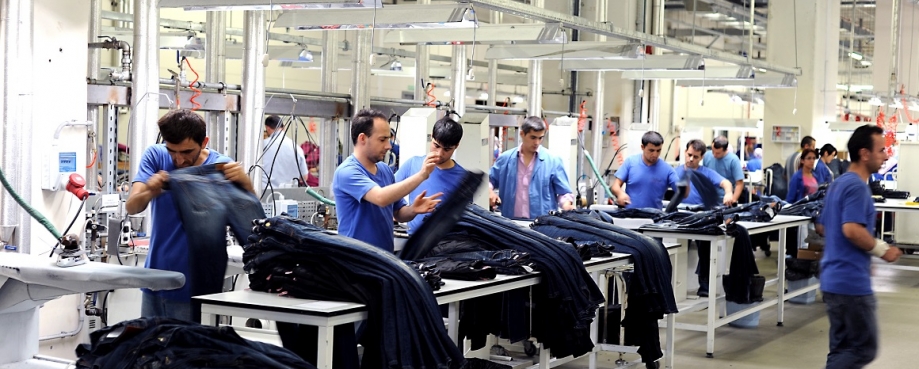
(310, 191)
(34, 213)
(609, 194)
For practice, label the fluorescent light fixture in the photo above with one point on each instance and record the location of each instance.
(707, 73)
(486, 34)
(517, 99)
(856, 56)
(649, 63)
(234, 51)
(770, 80)
(875, 101)
(865, 62)
(581, 50)
(395, 16)
(212, 5)
(483, 95)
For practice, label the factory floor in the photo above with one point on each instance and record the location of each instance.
(803, 341)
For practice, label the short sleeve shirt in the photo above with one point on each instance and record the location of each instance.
(646, 184)
(728, 167)
(710, 175)
(441, 180)
(846, 268)
(358, 218)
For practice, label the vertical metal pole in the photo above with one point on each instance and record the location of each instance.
(215, 57)
(599, 195)
(422, 65)
(249, 140)
(92, 111)
(492, 82)
(144, 98)
(458, 69)
(534, 98)
(360, 86)
(328, 158)
(655, 92)
(894, 46)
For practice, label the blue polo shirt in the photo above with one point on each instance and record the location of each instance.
(358, 218)
(441, 180)
(728, 167)
(710, 175)
(646, 184)
(846, 268)
(168, 241)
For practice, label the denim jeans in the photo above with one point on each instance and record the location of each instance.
(153, 305)
(207, 204)
(853, 330)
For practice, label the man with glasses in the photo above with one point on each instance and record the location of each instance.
(445, 138)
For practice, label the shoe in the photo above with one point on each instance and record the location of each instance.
(767, 252)
(653, 365)
(702, 293)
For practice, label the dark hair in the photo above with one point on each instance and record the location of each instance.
(827, 149)
(807, 140)
(804, 154)
(862, 138)
(182, 124)
(447, 132)
(696, 144)
(363, 123)
(532, 123)
(652, 137)
(273, 121)
(720, 143)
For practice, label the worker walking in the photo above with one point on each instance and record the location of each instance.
(645, 176)
(847, 222)
(282, 160)
(447, 174)
(530, 180)
(185, 146)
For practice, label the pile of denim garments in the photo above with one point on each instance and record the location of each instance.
(429, 273)
(463, 270)
(650, 288)
(563, 304)
(809, 206)
(404, 328)
(165, 343)
(510, 262)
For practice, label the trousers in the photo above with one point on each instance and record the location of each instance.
(853, 330)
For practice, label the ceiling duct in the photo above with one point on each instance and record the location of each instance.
(744, 72)
(647, 64)
(486, 34)
(212, 5)
(397, 17)
(583, 50)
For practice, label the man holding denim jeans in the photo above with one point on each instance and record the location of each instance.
(185, 146)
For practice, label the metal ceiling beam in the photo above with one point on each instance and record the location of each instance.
(267, 4)
(485, 34)
(731, 32)
(395, 16)
(607, 29)
(579, 50)
(649, 63)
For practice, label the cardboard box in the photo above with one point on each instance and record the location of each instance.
(805, 254)
(813, 246)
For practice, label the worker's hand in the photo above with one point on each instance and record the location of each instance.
(623, 200)
(892, 254)
(728, 200)
(156, 182)
(234, 173)
(429, 163)
(493, 199)
(424, 205)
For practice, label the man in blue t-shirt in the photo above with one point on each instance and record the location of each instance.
(445, 138)
(646, 176)
(847, 222)
(726, 164)
(367, 197)
(185, 146)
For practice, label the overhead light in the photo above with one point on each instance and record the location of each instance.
(396, 16)
(307, 56)
(213, 5)
(649, 63)
(708, 73)
(395, 66)
(517, 99)
(771, 80)
(736, 99)
(486, 34)
(856, 56)
(758, 100)
(581, 50)
(865, 62)
(483, 95)
(875, 101)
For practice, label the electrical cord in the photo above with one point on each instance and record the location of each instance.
(669, 145)
(191, 86)
(72, 221)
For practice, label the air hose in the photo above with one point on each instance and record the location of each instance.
(609, 194)
(29, 209)
(310, 191)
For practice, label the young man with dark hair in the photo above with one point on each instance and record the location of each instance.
(727, 165)
(791, 164)
(445, 138)
(531, 181)
(282, 160)
(847, 221)
(367, 196)
(646, 176)
(185, 146)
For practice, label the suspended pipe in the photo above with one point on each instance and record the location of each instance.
(125, 48)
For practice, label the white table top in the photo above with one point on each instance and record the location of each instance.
(41, 270)
(777, 223)
(895, 205)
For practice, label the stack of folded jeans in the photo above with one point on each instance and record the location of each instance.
(509, 262)
(463, 270)
(564, 304)
(404, 328)
(637, 213)
(429, 273)
(174, 344)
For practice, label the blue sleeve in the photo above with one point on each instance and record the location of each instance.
(853, 209)
(715, 178)
(672, 179)
(736, 171)
(353, 183)
(386, 169)
(148, 165)
(405, 170)
(623, 171)
(559, 179)
(823, 174)
(495, 172)
(794, 187)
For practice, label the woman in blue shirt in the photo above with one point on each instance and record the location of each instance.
(827, 154)
(807, 179)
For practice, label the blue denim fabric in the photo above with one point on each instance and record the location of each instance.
(207, 204)
(153, 305)
(853, 330)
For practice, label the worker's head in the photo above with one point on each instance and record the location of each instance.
(750, 143)
(272, 123)
(651, 144)
(532, 132)
(370, 134)
(866, 147)
(719, 147)
(445, 138)
(808, 142)
(695, 149)
(808, 160)
(184, 133)
(827, 153)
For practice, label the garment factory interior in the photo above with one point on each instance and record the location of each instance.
(601, 286)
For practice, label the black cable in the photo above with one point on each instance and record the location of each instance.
(669, 145)
(613, 159)
(74, 220)
(104, 316)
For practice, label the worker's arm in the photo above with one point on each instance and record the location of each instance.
(142, 193)
(622, 198)
(729, 198)
(421, 205)
(563, 196)
(385, 196)
(738, 190)
(860, 237)
(234, 173)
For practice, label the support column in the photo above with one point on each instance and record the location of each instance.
(900, 55)
(458, 69)
(92, 71)
(422, 66)
(817, 53)
(215, 57)
(249, 142)
(598, 195)
(534, 90)
(360, 86)
(492, 83)
(328, 133)
(145, 88)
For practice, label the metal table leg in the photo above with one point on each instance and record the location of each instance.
(324, 353)
(713, 292)
(453, 322)
(781, 285)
